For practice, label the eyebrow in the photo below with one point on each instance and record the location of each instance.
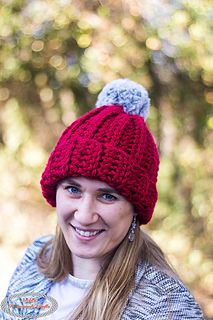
(70, 180)
(107, 190)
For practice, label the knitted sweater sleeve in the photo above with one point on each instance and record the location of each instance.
(26, 275)
(161, 297)
(23, 270)
(176, 305)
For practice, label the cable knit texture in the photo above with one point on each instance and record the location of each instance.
(110, 145)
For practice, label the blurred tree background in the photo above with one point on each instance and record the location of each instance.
(55, 56)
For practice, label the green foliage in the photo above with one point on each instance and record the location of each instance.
(55, 56)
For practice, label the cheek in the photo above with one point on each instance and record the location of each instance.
(63, 206)
(62, 210)
(120, 220)
(63, 215)
(59, 216)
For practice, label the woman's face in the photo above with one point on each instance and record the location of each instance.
(93, 217)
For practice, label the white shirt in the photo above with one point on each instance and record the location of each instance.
(69, 294)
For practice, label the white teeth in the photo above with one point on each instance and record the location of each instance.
(86, 233)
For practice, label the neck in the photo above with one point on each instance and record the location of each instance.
(85, 268)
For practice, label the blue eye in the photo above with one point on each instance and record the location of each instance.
(108, 197)
(72, 189)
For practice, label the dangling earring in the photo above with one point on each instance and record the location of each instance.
(131, 236)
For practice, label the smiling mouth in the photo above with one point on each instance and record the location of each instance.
(87, 233)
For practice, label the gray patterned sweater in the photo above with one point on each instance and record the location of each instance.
(156, 295)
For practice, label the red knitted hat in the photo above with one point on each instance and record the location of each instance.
(111, 143)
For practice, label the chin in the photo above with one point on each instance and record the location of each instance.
(86, 255)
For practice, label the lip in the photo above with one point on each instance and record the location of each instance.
(82, 229)
(83, 238)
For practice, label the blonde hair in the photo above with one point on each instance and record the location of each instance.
(108, 296)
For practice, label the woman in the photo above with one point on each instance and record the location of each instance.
(101, 177)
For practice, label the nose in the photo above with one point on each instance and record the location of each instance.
(86, 211)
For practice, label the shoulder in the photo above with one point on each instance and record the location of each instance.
(158, 294)
(36, 246)
(27, 267)
(26, 277)
(32, 251)
(163, 283)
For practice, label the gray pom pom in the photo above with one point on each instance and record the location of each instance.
(130, 95)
